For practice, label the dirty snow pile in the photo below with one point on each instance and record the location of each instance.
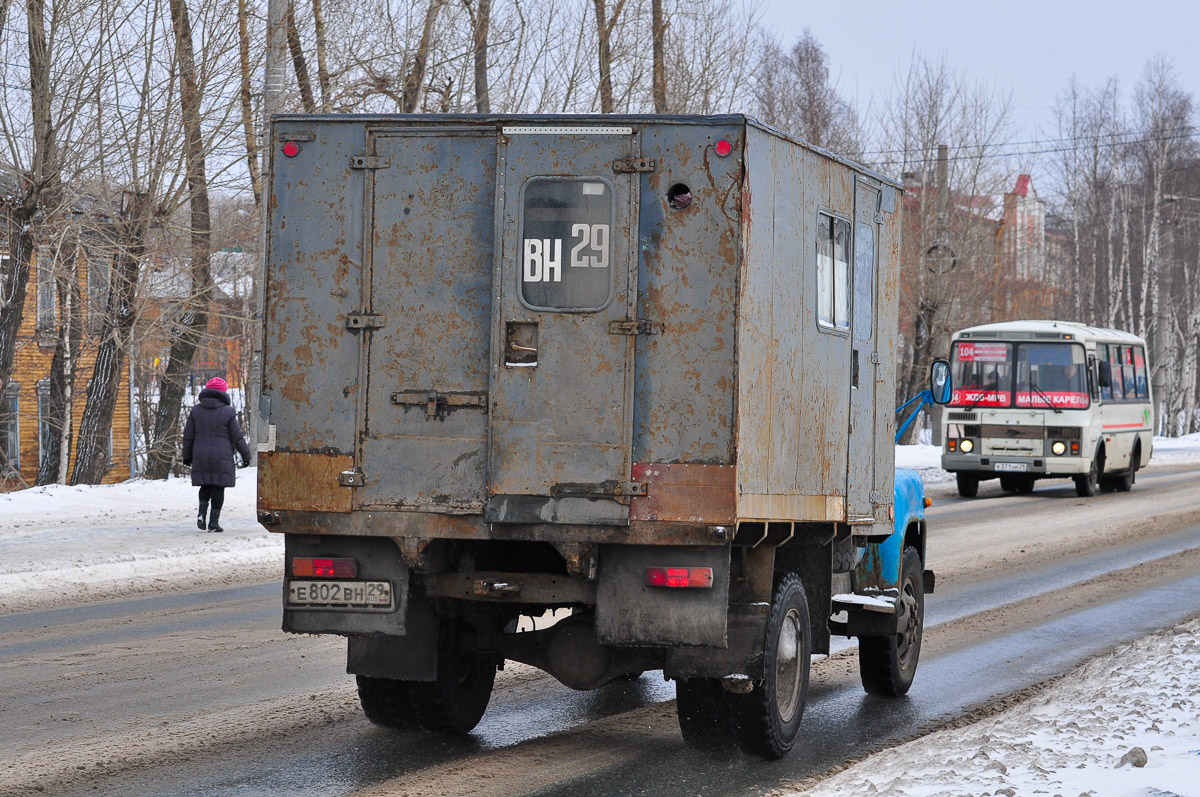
(1126, 724)
(63, 544)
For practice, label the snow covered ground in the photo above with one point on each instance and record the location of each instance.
(64, 544)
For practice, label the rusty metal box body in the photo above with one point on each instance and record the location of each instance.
(519, 328)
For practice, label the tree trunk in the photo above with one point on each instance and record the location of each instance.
(604, 56)
(414, 81)
(39, 188)
(658, 29)
(299, 63)
(248, 105)
(481, 20)
(322, 67)
(95, 427)
(53, 467)
(194, 321)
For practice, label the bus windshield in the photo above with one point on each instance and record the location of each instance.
(1051, 375)
(982, 374)
(1034, 375)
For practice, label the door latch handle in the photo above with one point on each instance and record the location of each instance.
(518, 347)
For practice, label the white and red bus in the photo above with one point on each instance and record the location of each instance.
(1047, 399)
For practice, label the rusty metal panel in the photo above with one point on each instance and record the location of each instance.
(687, 493)
(861, 491)
(776, 506)
(425, 438)
(687, 288)
(561, 409)
(314, 282)
(794, 376)
(303, 481)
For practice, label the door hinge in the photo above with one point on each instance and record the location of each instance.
(874, 499)
(875, 358)
(370, 162)
(625, 165)
(630, 326)
(436, 404)
(351, 478)
(365, 321)
(621, 492)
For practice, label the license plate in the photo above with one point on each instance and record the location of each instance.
(340, 593)
(1020, 467)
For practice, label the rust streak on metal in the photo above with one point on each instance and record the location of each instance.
(686, 493)
(303, 481)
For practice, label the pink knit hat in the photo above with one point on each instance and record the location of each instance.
(217, 383)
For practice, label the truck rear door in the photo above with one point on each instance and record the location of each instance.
(563, 329)
(424, 440)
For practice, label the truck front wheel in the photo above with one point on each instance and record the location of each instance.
(766, 719)
(455, 702)
(887, 664)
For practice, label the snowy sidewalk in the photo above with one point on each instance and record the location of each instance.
(61, 544)
(1126, 724)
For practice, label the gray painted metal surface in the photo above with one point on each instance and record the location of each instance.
(502, 320)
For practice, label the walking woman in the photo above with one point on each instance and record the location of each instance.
(209, 439)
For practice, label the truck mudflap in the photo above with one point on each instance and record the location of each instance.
(631, 612)
(743, 655)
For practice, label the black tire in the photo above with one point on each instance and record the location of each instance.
(455, 702)
(385, 702)
(1025, 485)
(887, 664)
(1088, 484)
(1124, 482)
(703, 713)
(968, 484)
(1008, 484)
(765, 720)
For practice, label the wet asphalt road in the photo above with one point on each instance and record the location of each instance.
(539, 718)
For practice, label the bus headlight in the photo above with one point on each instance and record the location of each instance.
(966, 446)
(1059, 448)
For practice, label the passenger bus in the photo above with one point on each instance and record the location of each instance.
(1047, 400)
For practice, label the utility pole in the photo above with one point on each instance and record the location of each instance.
(273, 89)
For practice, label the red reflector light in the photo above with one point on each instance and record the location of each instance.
(1074, 448)
(724, 148)
(291, 149)
(679, 577)
(952, 445)
(324, 568)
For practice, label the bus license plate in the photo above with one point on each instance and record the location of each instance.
(339, 593)
(1020, 467)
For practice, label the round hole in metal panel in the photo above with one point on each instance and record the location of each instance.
(679, 196)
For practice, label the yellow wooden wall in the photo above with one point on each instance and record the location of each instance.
(32, 363)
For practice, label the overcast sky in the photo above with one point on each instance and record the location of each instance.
(1030, 48)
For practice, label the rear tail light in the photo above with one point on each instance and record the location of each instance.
(679, 577)
(324, 568)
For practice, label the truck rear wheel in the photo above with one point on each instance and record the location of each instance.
(766, 719)
(887, 664)
(385, 702)
(455, 702)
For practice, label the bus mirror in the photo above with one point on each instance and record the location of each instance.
(940, 388)
(1105, 374)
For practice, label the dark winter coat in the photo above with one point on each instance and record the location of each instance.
(209, 438)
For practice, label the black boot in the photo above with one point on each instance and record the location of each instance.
(200, 519)
(214, 524)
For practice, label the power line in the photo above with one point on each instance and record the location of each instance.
(1018, 153)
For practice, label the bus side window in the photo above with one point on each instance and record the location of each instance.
(1106, 392)
(1139, 362)
(1093, 378)
(1114, 364)
(1127, 373)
